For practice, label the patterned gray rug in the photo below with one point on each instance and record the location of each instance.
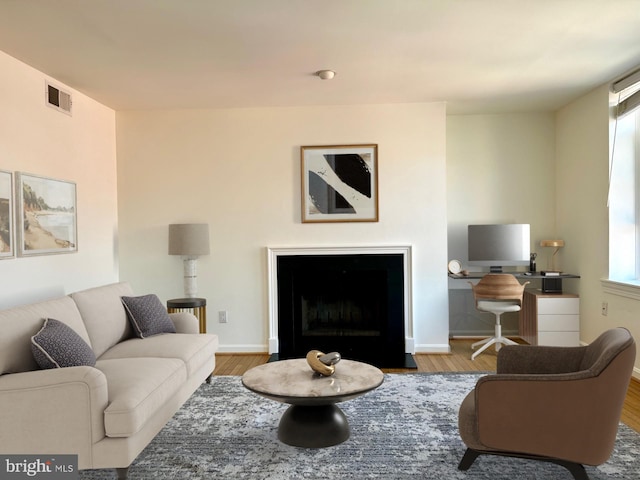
(406, 429)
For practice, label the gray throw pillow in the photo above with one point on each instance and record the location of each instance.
(148, 316)
(57, 345)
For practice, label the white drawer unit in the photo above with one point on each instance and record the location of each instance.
(550, 319)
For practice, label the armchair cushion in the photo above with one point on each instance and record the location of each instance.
(148, 316)
(528, 359)
(57, 345)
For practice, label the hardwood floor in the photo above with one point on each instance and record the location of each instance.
(459, 360)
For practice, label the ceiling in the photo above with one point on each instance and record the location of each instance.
(477, 55)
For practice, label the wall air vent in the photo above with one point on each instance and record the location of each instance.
(58, 99)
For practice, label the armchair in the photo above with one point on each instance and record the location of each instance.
(555, 404)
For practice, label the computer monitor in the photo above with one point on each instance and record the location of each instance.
(497, 246)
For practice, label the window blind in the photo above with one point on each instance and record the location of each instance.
(628, 90)
(625, 82)
(628, 105)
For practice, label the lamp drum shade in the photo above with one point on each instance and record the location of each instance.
(189, 239)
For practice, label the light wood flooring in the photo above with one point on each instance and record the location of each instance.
(459, 360)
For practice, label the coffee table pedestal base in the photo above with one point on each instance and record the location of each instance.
(314, 426)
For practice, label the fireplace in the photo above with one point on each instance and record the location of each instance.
(350, 302)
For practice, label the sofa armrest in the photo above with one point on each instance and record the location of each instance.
(53, 411)
(529, 359)
(185, 322)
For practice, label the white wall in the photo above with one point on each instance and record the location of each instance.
(81, 148)
(500, 169)
(239, 170)
(582, 182)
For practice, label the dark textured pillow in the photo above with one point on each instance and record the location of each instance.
(148, 316)
(57, 345)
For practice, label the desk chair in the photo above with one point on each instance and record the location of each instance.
(497, 293)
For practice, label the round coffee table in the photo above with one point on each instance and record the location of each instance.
(313, 420)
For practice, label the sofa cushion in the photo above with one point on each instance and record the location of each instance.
(138, 388)
(148, 316)
(104, 315)
(193, 349)
(57, 345)
(19, 324)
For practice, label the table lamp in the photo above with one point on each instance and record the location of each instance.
(190, 240)
(557, 244)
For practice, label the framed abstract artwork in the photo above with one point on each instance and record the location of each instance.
(46, 215)
(339, 183)
(7, 236)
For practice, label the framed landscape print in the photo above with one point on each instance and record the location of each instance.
(339, 183)
(6, 216)
(46, 215)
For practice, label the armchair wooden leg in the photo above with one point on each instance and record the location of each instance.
(122, 473)
(577, 470)
(468, 458)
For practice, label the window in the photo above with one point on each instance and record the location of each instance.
(624, 190)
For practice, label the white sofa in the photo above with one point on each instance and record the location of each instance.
(107, 413)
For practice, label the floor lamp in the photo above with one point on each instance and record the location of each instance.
(190, 240)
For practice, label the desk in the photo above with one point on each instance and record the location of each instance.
(550, 319)
(197, 306)
(550, 283)
(547, 317)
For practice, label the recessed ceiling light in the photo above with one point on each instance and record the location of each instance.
(326, 74)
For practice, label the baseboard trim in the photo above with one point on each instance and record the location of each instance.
(243, 348)
(433, 348)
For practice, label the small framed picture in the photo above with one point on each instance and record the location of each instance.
(7, 249)
(339, 183)
(46, 215)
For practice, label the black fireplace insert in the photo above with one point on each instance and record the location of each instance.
(352, 304)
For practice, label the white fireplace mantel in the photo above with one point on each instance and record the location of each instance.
(272, 263)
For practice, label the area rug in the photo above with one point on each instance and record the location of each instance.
(405, 429)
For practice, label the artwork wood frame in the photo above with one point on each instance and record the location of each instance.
(46, 215)
(7, 224)
(339, 183)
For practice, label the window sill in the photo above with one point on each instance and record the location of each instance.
(629, 289)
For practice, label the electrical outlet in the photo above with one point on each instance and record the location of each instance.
(605, 308)
(222, 316)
